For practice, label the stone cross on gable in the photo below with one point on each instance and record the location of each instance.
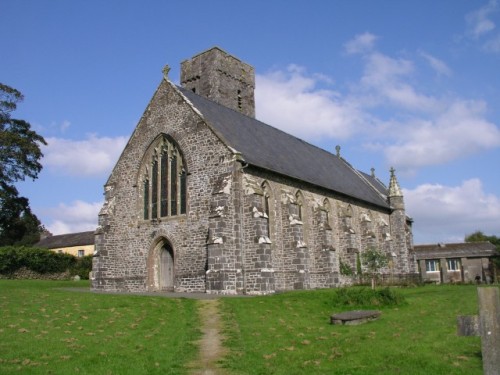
(486, 325)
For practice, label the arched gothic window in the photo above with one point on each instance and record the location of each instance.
(163, 180)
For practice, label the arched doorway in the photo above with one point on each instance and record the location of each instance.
(161, 266)
(166, 268)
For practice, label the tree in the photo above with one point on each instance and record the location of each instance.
(20, 156)
(479, 236)
(374, 260)
(19, 226)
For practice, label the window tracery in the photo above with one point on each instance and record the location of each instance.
(163, 180)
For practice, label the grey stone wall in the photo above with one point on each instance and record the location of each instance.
(305, 253)
(221, 78)
(125, 241)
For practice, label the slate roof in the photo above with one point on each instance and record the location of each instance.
(455, 250)
(376, 183)
(269, 148)
(67, 240)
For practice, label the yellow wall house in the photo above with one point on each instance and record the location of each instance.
(77, 244)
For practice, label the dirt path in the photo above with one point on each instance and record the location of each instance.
(211, 349)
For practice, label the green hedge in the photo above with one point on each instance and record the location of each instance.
(42, 261)
(82, 267)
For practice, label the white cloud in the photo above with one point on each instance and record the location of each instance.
(419, 129)
(388, 79)
(361, 43)
(480, 26)
(291, 100)
(79, 216)
(479, 21)
(459, 131)
(89, 157)
(449, 213)
(438, 65)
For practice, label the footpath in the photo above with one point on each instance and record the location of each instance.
(210, 345)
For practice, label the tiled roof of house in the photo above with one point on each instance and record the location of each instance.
(269, 148)
(455, 250)
(67, 240)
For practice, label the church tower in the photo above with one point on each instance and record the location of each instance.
(221, 78)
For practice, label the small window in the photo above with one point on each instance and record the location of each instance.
(81, 253)
(432, 265)
(453, 264)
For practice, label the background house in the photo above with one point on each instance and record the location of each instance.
(77, 244)
(456, 262)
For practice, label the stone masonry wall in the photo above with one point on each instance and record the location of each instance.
(125, 241)
(306, 253)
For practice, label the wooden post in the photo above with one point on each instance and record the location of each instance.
(486, 325)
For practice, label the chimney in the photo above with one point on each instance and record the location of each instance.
(218, 76)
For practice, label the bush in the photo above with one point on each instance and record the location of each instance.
(36, 259)
(82, 267)
(10, 260)
(360, 297)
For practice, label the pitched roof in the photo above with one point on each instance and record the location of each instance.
(376, 183)
(67, 240)
(455, 250)
(269, 148)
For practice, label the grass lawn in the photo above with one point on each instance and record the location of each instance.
(290, 334)
(48, 330)
(44, 330)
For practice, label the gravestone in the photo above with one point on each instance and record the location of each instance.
(354, 317)
(486, 325)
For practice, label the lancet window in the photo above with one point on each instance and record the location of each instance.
(163, 181)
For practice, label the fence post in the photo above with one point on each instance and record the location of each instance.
(489, 325)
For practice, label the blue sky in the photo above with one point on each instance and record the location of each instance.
(411, 84)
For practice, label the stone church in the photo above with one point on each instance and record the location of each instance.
(205, 198)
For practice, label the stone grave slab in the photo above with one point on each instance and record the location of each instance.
(355, 317)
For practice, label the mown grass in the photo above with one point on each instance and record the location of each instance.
(290, 334)
(48, 330)
(44, 330)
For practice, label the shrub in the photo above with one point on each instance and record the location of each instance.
(36, 259)
(367, 297)
(345, 269)
(82, 267)
(10, 260)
